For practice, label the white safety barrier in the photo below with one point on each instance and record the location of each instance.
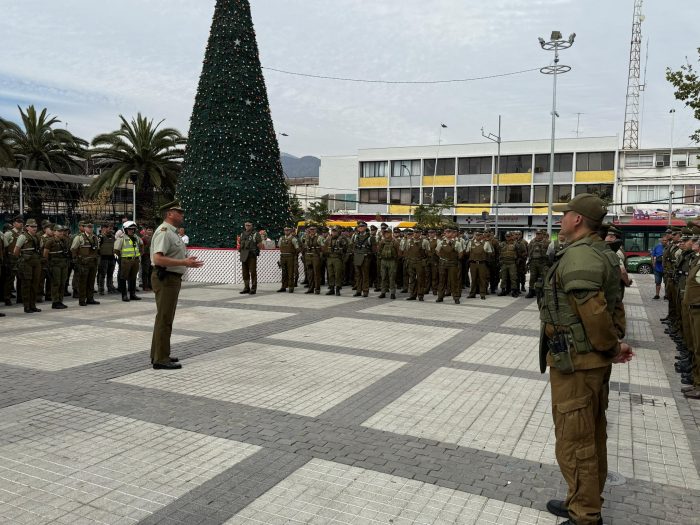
(223, 266)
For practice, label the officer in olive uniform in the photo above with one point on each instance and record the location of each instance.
(289, 252)
(27, 250)
(335, 249)
(582, 322)
(44, 289)
(521, 263)
(251, 244)
(85, 258)
(415, 250)
(12, 261)
(128, 249)
(363, 247)
(690, 358)
(536, 260)
(388, 251)
(57, 253)
(494, 264)
(432, 270)
(478, 253)
(509, 270)
(311, 246)
(449, 249)
(169, 261)
(105, 272)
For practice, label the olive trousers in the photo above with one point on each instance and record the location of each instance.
(388, 275)
(335, 271)
(579, 402)
(479, 278)
(287, 262)
(166, 292)
(30, 271)
(250, 273)
(59, 275)
(415, 274)
(449, 280)
(509, 276)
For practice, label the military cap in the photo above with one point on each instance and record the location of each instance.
(31, 222)
(288, 228)
(612, 230)
(383, 225)
(19, 218)
(668, 230)
(361, 223)
(106, 224)
(431, 231)
(311, 227)
(46, 223)
(676, 230)
(173, 205)
(586, 204)
(686, 234)
(409, 230)
(57, 228)
(373, 227)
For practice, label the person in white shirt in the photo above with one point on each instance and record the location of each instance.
(183, 236)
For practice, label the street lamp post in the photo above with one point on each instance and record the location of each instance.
(133, 177)
(21, 193)
(670, 172)
(556, 43)
(410, 189)
(437, 157)
(497, 140)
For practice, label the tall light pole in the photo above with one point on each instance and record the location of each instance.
(410, 189)
(437, 157)
(133, 177)
(556, 43)
(497, 140)
(670, 172)
(21, 193)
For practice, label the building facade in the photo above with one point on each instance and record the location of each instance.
(474, 181)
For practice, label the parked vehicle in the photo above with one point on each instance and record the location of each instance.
(640, 264)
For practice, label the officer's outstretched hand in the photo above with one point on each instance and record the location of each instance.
(193, 262)
(626, 354)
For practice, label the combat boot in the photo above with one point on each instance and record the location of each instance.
(530, 294)
(291, 290)
(456, 300)
(337, 290)
(382, 296)
(502, 293)
(283, 289)
(420, 298)
(412, 298)
(134, 297)
(439, 300)
(393, 296)
(92, 301)
(331, 291)
(356, 294)
(125, 298)
(515, 293)
(310, 290)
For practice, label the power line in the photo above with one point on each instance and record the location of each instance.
(377, 81)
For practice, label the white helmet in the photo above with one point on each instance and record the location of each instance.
(129, 224)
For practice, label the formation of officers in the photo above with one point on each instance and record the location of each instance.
(37, 263)
(681, 276)
(416, 262)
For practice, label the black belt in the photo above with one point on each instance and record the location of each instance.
(131, 258)
(478, 262)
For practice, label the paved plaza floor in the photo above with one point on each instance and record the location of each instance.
(313, 409)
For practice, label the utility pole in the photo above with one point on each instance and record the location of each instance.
(497, 140)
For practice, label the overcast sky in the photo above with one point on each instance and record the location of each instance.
(89, 61)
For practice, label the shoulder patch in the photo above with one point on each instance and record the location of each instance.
(164, 229)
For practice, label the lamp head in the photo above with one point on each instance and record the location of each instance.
(542, 42)
(556, 35)
(572, 36)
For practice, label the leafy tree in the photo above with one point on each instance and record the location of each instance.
(432, 215)
(7, 158)
(38, 145)
(317, 213)
(296, 210)
(142, 149)
(687, 84)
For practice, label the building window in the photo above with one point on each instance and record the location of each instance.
(373, 196)
(442, 196)
(562, 162)
(444, 167)
(562, 193)
(648, 194)
(692, 194)
(474, 195)
(341, 201)
(402, 196)
(599, 161)
(514, 194)
(412, 167)
(474, 166)
(373, 169)
(604, 191)
(516, 163)
(633, 160)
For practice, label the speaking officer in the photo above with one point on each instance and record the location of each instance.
(169, 260)
(583, 320)
(128, 249)
(251, 244)
(27, 250)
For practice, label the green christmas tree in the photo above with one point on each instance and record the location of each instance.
(232, 170)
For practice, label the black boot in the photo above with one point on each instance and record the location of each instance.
(502, 293)
(283, 289)
(134, 297)
(125, 298)
(331, 291)
(382, 296)
(530, 294)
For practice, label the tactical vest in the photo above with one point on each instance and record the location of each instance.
(87, 246)
(311, 245)
(477, 251)
(11, 246)
(362, 243)
(684, 268)
(387, 250)
(130, 248)
(448, 253)
(336, 247)
(248, 241)
(414, 249)
(692, 290)
(106, 245)
(58, 250)
(538, 250)
(508, 252)
(287, 245)
(555, 308)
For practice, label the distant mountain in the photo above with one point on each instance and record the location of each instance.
(295, 167)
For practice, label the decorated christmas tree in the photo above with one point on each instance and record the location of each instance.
(232, 170)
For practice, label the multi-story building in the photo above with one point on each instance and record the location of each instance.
(390, 182)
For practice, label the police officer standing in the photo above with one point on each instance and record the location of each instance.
(311, 246)
(251, 244)
(335, 249)
(509, 269)
(27, 250)
(57, 253)
(363, 247)
(536, 260)
(128, 249)
(450, 250)
(85, 255)
(388, 252)
(478, 252)
(415, 249)
(289, 251)
(12, 261)
(169, 260)
(582, 322)
(105, 272)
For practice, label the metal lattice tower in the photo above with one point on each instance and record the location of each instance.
(631, 136)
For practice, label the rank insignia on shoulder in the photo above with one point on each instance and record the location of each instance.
(164, 229)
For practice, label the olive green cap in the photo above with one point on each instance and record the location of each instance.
(586, 204)
(31, 222)
(174, 205)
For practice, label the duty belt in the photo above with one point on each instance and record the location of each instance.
(131, 258)
(478, 262)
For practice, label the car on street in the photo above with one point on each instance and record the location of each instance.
(641, 264)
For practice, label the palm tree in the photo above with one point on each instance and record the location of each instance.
(140, 149)
(40, 146)
(7, 159)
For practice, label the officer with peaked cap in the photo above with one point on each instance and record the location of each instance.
(28, 252)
